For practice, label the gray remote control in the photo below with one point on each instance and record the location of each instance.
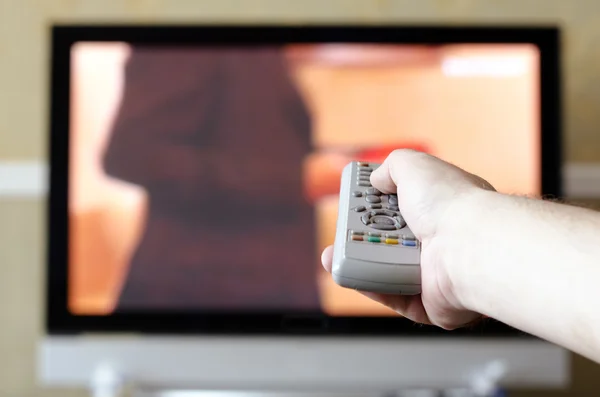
(374, 249)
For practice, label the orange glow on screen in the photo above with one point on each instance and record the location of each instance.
(474, 105)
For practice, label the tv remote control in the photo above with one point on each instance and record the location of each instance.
(374, 249)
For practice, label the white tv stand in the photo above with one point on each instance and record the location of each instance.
(315, 366)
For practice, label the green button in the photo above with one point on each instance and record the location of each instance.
(372, 239)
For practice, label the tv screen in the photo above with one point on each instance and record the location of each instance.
(201, 166)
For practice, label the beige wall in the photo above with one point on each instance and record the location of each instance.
(23, 117)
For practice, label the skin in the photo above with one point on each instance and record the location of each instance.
(529, 263)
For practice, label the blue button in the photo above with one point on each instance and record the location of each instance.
(409, 243)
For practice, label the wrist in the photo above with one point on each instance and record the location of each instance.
(463, 244)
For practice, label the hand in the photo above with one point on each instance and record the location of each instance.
(431, 195)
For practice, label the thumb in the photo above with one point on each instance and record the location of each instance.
(397, 165)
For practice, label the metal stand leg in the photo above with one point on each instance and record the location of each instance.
(106, 382)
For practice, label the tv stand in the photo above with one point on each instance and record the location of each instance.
(109, 365)
(108, 381)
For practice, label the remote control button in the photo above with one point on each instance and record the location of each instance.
(372, 199)
(373, 191)
(375, 206)
(360, 208)
(364, 178)
(373, 239)
(357, 232)
(374, 234)
(391, 235)
(365, 184)
(409, 243)
(383, 220)
(384, 212)
(365, 219)
(410, 238)
(399, 222)
(393, 199)
(369, 169)
(380, 226)
(357, 238)
(391, 241)
(356, 193)
(393, 208)
(363, 164)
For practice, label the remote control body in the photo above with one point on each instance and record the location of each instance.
(374, 249)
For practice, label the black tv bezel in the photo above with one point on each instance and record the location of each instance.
(60, 321)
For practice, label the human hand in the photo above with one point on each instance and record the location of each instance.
(431, 196)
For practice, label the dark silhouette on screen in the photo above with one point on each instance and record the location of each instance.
(217, 137)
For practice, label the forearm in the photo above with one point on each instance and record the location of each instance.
(532, 264)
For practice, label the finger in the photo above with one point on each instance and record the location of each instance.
(409, 306)
(327, 258)
(382, 179)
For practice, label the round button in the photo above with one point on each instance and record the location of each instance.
(383, 220)
(372, 199)
(356, 193)
(400, 223)
(360, 208)
(373, 191)
(393, 200)
(379, 226)
(366, 218)
(384, 212)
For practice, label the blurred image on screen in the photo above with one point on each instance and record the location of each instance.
(206, 178)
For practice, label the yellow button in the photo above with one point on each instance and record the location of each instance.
(391, 241)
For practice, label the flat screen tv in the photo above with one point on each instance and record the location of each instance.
(195, 171)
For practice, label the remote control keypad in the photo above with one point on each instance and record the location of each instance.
(376, 216)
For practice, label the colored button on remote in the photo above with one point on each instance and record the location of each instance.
(409, 243)
(373, 239)
(392, 241)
